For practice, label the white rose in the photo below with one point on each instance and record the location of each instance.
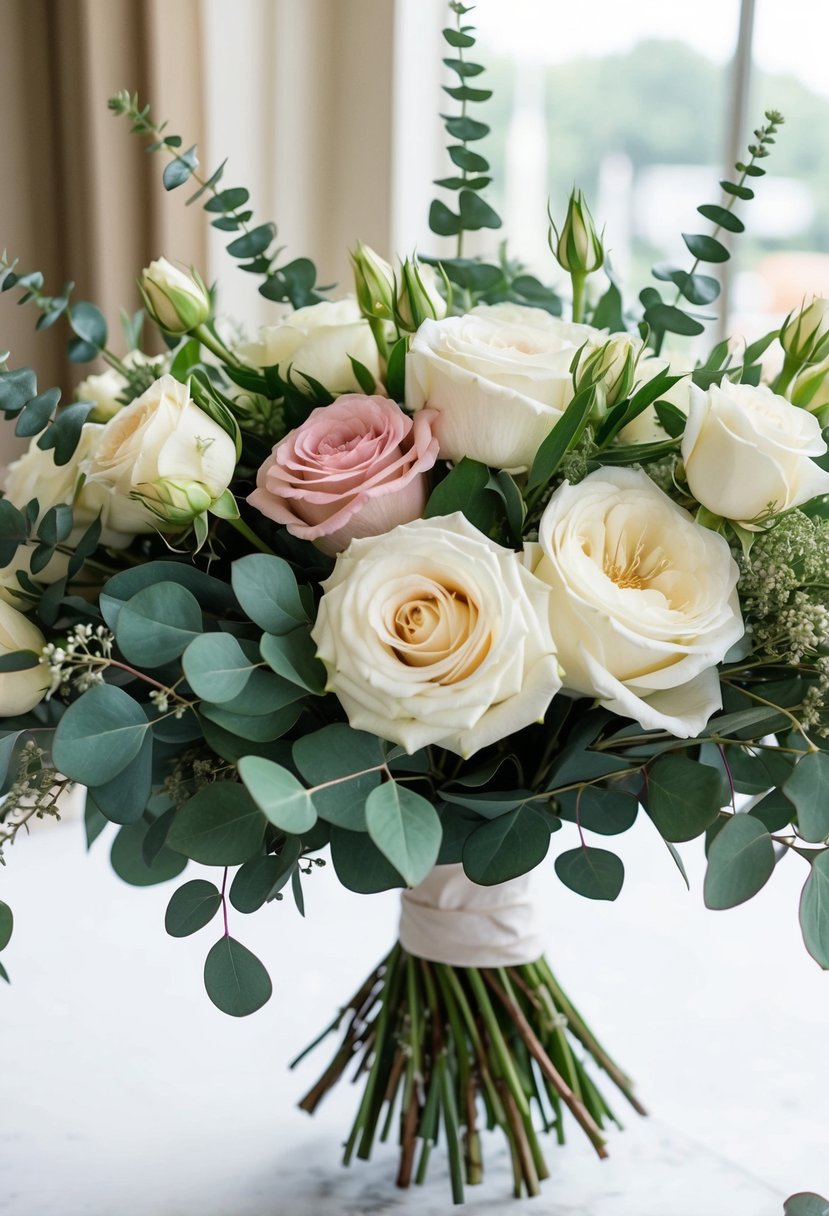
(103, 391)
(317, 342)
(432, 633)
(499, 378)
(20, 691)
(748, 452)
(160, 460)
(646, 427)
(644, 601)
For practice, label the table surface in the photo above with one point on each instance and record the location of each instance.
(123, 1090)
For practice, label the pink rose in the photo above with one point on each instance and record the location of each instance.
(356, 467)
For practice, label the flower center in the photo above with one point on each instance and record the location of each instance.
(437, 627)
(633, 568)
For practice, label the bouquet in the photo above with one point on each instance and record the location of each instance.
(423, 582)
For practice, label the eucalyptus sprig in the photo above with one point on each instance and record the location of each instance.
(701, 289)
(473, 212)
(254, 248)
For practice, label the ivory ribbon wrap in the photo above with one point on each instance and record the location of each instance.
(449, 919)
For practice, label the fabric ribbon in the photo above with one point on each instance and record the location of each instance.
(450, 919)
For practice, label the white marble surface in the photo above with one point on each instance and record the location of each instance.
(123, 1091)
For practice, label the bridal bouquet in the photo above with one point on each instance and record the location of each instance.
(426, 580)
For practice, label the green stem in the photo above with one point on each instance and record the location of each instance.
(248, 533)
(213, 344)
(578, 278)
(789, 370)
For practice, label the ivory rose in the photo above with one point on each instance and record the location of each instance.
(160, 461)
(20, 691)
(748, 452)
(435, 634)
(499, 378)
(356, 467)
(317, 341)
(644, 601)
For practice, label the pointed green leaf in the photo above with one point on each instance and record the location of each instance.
(705, 248)
(6, 924)
(283, 800)
(405, 828)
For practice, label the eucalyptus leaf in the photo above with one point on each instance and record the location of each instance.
(192, 907)
(808, 789)
(594, 873)
(219, 826)
(814, 910)
(157, 623)
(267, 590)
(235, 979)
(405, 828)
(507, 846)
(98, 735)
(740, 863)
(283, 800)
(683, 797)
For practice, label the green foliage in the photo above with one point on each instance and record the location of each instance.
(594, 873)
(683, 797)
(473, 212)
(283, 800)
(740, 863)
(808, 789)
(661, 318)
(255, 249)
(814, 910)
(157, 623)
(260, 878)
(562, 439)
(129, 863)
(235, 979)
(293, 656)
(405, 828)
(806, 1203)
(38, 413)
(192, 907)
(6, 925)
(219, 826)
(267, 590)
(351, 761)
(218, 666)
(99, 735)
(507, 846)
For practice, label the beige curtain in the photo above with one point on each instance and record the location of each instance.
(79, 199)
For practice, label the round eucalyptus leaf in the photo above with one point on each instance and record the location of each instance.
(157, 623)
(127, 858)
(99, 735)
(219, 826)
(6, 924)
(235, 979)
(507, 846)
(808, 789)
(594, 873)
(683, 797)
(283, 800)
(814, 910)
(258, 878)
(740, 863)
(406, 829)
(216, 666)
(192, 907)
(266, 588)
(806, 1203)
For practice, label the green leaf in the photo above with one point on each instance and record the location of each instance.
(666, 317)
(405, 828)
(742, 192)
(489, 804)
(705, 248)
(443, 221)
(696, 288)
(124, 798)
(128, 862)
(683, 797)
(564, 436)
(722, 217)
(56, 524)
(192, 907)
(99, 735)
(284, 801)
(216, 666)
(335, 752)
(465, 129)
(235, 979)
(774, 811)
(19, 660)
(359, 864)
(806, 1203)
(157, 623)
(89, 323)
(463, 92)
(252, 243)
(93, 822)
(755, 772)
(17, 387)
(6, 924)
(267, 590)
(396, 370)
(37, 412)
(258, 878)
(814, 910)
(465, 490)
(219, 826)
(463, 68)
(178, 171)
(808, 789)
(464, 158)
(258, 728)
(475, 213)
(594, 873)
(294, 657)
(672, 419)
(456, 38)
(740, 863)
(606, 811)
(213, 594)
(63, 435)
(4, 975)
(228, 200)
(507, 846)
(363, 376)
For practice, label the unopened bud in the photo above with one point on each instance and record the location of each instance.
(611, 366)
(804, 335)
(176, 299)
(418, 296)
(578, 247)
(373, 283)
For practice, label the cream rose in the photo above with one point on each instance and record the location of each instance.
(644, 601)
(499, 378)
(357, 467)
(432, 633)
(748, 452)
(106, 389)
(159, 462)
(20, 691)
(317, 341)
(175, 298)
